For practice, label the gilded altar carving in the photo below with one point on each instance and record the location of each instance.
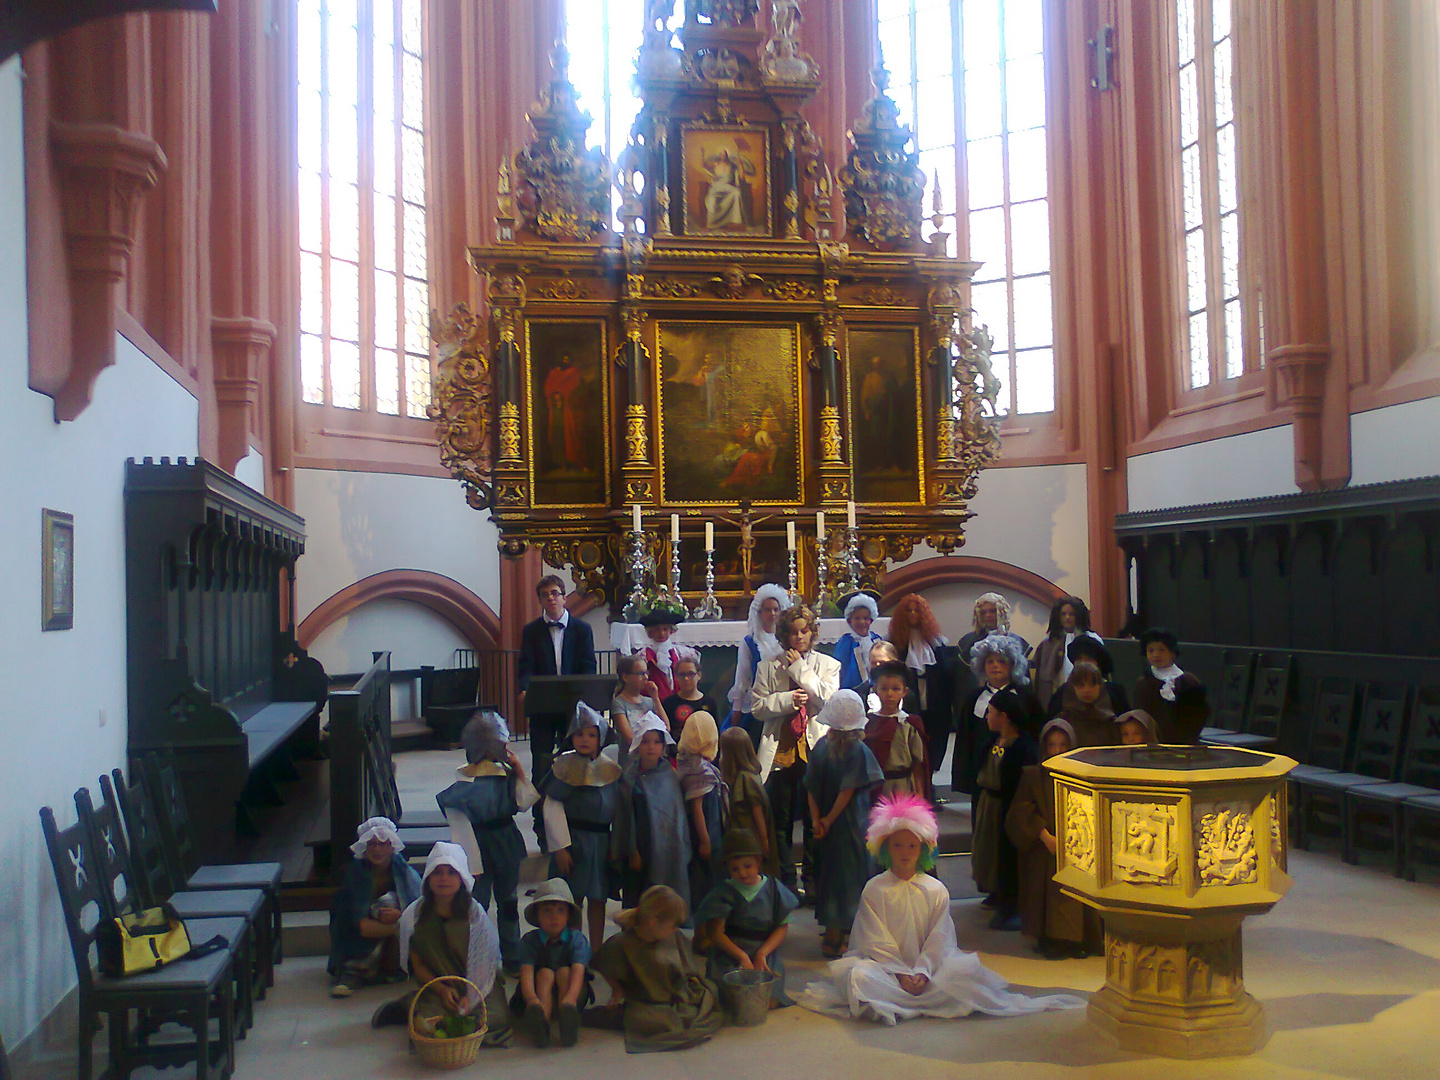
(509, 431)
(584, 558)
(835, 489)
(733, 282)
(461, 405)
(1143, 848)
(725, 12)
(882, 180)
(783, 61)
(510, 493)
(946, 543)
(830, 434)
(637, 435)
(562, 188)
(1225, 844)
(1079, 817)
(788, 290)
(671, 289)
(563, 289)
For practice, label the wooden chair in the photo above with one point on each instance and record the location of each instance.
(1373, 760)
(1265, 705)
(184, 861)
(148, 869)
(1422, 832)
(1233, 697)
(125, 892)
(198, 990)
(1380, 808)
(1331, 729)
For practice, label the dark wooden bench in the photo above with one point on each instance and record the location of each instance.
(362, 771)
(216, 678)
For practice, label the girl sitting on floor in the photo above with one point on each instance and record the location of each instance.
(668, 1003)
(365, 911)
(904, 961)
(446, 932)
(745, 918)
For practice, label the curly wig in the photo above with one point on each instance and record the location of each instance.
(1005, 646)
(789, 617)
(903, 813)
(912, 615)
(1002, 611)
(1082, 616)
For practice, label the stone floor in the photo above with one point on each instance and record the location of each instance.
(1347, 967)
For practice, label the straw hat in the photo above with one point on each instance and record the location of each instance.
(553, 890)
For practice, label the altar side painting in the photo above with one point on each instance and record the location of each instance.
(729, 401)
(885, 416)
(727, 181)
(566, 362)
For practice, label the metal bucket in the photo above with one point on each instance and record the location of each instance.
(746, 996)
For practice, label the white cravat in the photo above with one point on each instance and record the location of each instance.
(982, 703)
(1167, 677)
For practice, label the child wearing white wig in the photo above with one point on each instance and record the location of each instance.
(759, 645)
(446, 932)
(903, 960)
(853, 648)
(650, 844)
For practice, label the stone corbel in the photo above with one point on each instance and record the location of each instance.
(103, 172)
(1300, 385)
(241, 348)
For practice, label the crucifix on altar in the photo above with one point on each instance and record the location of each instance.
(727, 360)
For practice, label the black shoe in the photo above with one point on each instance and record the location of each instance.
(391, 1014)
(569, 1020)
(536, 1026)
(990, 901)
(1005, 920)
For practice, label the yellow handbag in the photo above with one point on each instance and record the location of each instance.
(146, 940)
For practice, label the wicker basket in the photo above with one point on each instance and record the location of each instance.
(448, 1053)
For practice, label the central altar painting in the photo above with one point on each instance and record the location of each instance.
(729, 401)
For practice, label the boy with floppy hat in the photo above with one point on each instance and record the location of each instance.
(553, 959)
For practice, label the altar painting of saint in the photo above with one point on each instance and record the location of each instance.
(885, 418)
(567, 409)
(729, 395)
(727, 182)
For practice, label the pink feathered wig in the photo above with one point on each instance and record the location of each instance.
(908, 813)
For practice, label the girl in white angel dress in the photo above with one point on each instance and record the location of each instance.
(903, 959)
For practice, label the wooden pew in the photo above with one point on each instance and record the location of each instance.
(215, 675)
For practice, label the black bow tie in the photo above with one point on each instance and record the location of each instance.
(561, 625)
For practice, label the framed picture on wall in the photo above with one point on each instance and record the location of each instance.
(57, 570)
(727, 181)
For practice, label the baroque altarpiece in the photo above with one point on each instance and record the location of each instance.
(736, 351)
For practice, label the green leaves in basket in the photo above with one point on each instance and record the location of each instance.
(456, 1027)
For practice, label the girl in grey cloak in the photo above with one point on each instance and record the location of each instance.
(651, 839)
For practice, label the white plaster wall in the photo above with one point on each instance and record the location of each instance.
(250, 470)
(1249, 466)
(64, 721)
(358, 524)
(1400, 442)
(414, 635)
(954, 606)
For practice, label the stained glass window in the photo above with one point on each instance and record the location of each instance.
(969, 77)
(1209, 192)
(364, 294)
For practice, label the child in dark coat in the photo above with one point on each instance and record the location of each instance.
(365, 911)
(481, 806)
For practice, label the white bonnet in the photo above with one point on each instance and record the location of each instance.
(649, 722)
(377, 828)
(843, 712)
(445, 853)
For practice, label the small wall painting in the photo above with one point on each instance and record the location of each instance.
(566, 367)
(885, 415)
(57, 570)
(729, 412)
(727, 181)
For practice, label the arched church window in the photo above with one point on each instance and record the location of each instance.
(969, 77)
(1215, 332)
(364, 292)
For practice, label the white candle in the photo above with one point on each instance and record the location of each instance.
(820, 527)
(674, 528)
(790, 535)
(850, 515)
(709, 536)
(635, 517)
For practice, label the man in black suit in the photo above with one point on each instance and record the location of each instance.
(554, 644)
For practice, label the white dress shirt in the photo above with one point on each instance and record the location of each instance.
(557, 636)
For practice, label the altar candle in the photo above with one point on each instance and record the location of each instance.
(635, 517)
(674, 528)
(709, 536)
(820, 526)
(849, 515)
(790, 535)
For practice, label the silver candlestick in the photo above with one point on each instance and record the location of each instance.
(675, 568)
(852, 548)
(822, 572)
(709, 608)
(637, 574)
(795, 597)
